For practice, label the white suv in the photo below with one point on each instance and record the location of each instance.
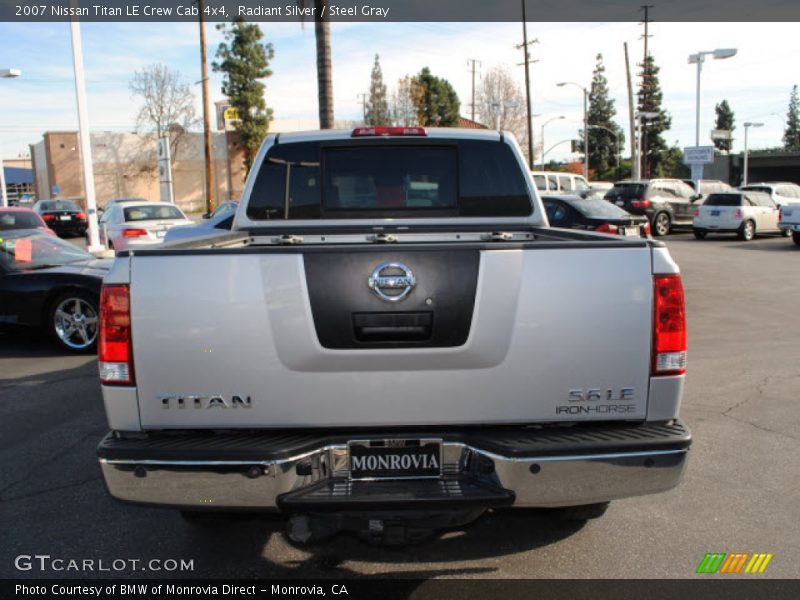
(556, 182)
(742, 212)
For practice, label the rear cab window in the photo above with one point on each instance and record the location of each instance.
(389, 179)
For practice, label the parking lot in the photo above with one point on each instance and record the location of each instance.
(740, 493)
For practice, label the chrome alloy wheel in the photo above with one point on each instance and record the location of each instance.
(75, 323)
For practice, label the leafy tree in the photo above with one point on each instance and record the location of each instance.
(500, 102)
(244, 60)
(438, 104)
(377, 105)
(169, 103)
(725, 121)
(791, 135)
(601, 113)
(654, 148)
(672, 164)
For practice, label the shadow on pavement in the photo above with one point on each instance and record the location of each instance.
(492, 536)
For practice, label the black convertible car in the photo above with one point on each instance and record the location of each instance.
(50, 284)
(594, 214)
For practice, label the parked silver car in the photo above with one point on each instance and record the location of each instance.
(742, 213)
(781, 192)
(129, 224)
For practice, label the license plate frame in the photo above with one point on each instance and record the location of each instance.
(713, 213)
(385, 467)
(64, 218)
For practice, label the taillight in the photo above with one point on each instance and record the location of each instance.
(132, 233)
(669, 326)
(647, 228)
(378, 131)
(643, 203)
(81, 216)
(737, 214)
(48, 217)
(780, 214)
(607, 228)
(696, 212)
(114, 349)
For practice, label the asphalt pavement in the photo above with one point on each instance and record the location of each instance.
(740, 493)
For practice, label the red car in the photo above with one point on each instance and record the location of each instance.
(22, 218)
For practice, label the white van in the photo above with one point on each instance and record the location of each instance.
(556, 182)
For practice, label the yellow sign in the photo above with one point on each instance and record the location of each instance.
(230, 114)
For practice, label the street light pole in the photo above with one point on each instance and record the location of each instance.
(699, 59)
(585, 125)
(83, 136)
(5, 74)
(542, 136)
(747, 126)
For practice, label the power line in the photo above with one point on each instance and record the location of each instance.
(363, 97)
(524, 47)
(644, 89)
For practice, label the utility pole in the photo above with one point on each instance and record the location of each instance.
(631, 110)
(473, 62)
(363, 97)
(524, 47)
(210, 201)
(644, 90)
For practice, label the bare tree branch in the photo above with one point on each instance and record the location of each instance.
(168, 103)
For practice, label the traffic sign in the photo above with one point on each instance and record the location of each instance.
(721, 134)
(698, 155)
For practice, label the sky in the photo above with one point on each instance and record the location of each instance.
(756, 82)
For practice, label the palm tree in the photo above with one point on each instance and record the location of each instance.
(322, 32)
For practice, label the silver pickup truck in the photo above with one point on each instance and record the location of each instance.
(790, 220)
(392, 340)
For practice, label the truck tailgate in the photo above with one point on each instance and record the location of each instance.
(253, 339)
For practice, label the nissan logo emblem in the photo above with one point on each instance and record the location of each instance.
(392, 281)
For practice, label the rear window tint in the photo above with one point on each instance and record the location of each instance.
(758, 188)
(19, 220)
(151, 213)
(723, 200)
(59, 205)
(361, 179)
(369, 180)
(627, 190)
(596, 208)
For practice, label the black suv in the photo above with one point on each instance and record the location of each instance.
(667, 203)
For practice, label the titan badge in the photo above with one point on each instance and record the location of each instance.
(211, 401)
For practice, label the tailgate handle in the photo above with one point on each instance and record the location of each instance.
(392, 326)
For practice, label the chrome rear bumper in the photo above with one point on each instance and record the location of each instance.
(547, 480)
